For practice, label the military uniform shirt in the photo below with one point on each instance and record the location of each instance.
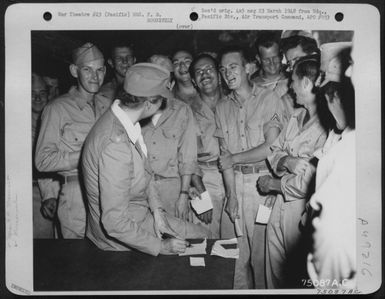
(65, 124)
(242, 124)
(296, 140)
(171, 143)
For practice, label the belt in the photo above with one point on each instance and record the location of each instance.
(64, 179)
(247, 169)
(209, 164)
(158, 177)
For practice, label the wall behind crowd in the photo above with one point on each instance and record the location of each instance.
(51, 50)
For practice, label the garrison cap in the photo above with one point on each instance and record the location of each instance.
(162, 60)
(86, 53)
(147, 80)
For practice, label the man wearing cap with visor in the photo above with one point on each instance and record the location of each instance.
(65, 124)
(124, 208)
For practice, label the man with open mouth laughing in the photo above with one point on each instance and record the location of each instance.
(249, 119)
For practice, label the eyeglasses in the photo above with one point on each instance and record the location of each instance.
(41, 94)
(208, 70)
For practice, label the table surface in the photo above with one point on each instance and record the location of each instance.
(78, 265)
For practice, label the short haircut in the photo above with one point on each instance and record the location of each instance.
(121, 44)
(181, 50)
(267, 40)
(345, 91)
(199, 57)
(132, 101)
(309, 66)
(245, 53)
(308, 45)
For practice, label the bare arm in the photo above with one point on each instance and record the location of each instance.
(260, 152)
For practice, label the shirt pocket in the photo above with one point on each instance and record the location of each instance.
(171, 142)
(74, 134)
(254, 131)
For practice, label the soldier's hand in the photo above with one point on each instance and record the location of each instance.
(193, 193)
(182, 209)
(48, 208)
(263, 184)
(225, 160)
(206, 217)
(173, 246)
(232, 208)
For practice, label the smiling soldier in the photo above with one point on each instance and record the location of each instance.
(65, 124)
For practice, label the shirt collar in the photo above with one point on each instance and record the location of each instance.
(78, 97)
(133, 131)
(253, 93)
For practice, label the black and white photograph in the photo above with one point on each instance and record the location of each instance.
(193, 149)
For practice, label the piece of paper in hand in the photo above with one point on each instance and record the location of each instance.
(219, 249)
(197, 261)
(263, 214)
(196, 248)
(203, 204)
(238, 228)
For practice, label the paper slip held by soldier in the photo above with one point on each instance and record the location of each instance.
(203, 204)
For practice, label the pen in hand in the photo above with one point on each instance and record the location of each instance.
(169, 236)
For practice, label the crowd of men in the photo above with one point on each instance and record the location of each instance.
(118, 162)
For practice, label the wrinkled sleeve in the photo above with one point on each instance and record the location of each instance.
(187, 147)
(114, 182)
(153, 195)
(273, 113)
(295, 187)
(48, 188)
(278, 152)
(219, 130)
(49, 156)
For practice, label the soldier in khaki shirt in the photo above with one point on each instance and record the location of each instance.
(295, 147)
(45, 189)
(66, 122)
(122, 57)
(205, 75)
(124, 208)
(183, 89)
(248, 122)
(170, 136)
(271, 75)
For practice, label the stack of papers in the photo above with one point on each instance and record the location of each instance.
(196, 248)
(224, 248)
(197, 261)
(203, 204)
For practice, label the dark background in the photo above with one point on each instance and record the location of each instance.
(51, 50)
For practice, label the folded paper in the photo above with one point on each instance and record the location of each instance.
(263, 214)
(219, 248)
(203, 204)
(197, 261)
